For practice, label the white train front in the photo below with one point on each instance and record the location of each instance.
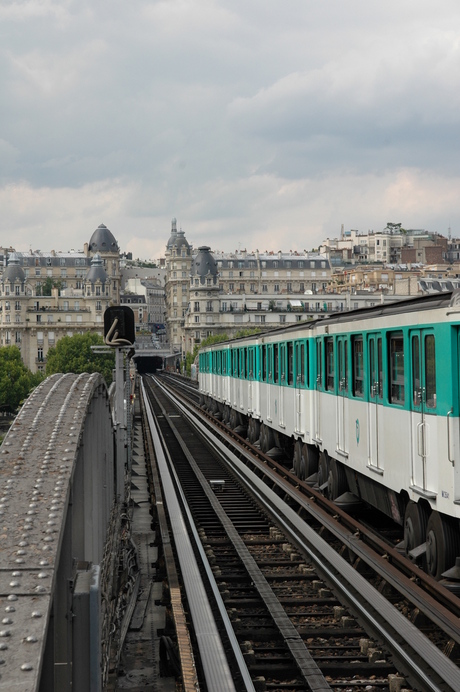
(366, 402)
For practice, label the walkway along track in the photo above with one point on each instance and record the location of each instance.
(291, 584)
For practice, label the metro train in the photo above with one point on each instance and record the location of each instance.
(363, 404)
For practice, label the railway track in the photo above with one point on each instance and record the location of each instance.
(304, 613)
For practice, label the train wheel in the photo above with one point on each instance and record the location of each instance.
(323, 471)
(442, 544)
(309, 461)
(268, 438)
(226, 414)
(415, 522)
(297, 459)
(336, 480)
(256, 431)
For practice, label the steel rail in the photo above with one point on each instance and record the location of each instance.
(397, 626)
(212, 653)
(294, 642)
(437, 603)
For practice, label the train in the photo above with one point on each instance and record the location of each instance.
(364, 405)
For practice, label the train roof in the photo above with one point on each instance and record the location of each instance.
(427, 302)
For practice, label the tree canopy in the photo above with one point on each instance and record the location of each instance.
(74, 354)
(16, 381)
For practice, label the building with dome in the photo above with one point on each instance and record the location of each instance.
(47, 295)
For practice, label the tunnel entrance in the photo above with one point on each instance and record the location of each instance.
(148, 364)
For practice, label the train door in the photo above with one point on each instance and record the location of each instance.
(270, 381)
(251, 368)
(342, 392)
(319, 385)
(236, 381)
(282, 381)
(299, 383)
(375, 405)
(423, 401)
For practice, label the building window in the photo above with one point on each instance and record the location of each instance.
(18, 337)
(98, 305)
(196, 307)
(39, 318)
(302, 287)
(264, 288)
(77, 305)
(282, 318)
(253, 288)
(241, 287)
(197, 318)
(17, 290)
(7, 305)
(17, 305)
(40, 355)
(49, 318)
(289, 287)
(231, 287)
(276, 288)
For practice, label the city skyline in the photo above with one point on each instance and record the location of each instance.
(257, 125)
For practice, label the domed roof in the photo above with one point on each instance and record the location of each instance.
(177, 238)
(204, 265)
(96, 272)
(14, 273)
(103, 240)
(173, 237)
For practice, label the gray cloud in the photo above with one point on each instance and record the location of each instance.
(248, 121)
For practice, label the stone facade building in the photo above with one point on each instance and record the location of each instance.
(45, 296)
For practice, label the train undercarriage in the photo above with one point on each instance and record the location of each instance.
(431, 538)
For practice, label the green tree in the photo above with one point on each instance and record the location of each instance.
(74, 354)
(49, 283)
(16, 381)
(190, 357)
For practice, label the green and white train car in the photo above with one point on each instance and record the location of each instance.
(366, 402)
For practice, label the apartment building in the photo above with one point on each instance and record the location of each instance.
(45, 296)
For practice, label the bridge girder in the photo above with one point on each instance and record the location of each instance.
(57, 489)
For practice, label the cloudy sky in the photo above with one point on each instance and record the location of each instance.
(256, 123)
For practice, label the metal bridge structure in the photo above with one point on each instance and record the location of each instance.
(60, 490)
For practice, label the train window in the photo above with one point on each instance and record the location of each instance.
(396, 368)
(358, 366)
(380, 366)
(330, 365)
(235, 363)
(430, 371)
(319, 364)
(224, 362)
(251, 362)
(241, 370)
(275, 362)
(219, 362)
(416, 386)
(300, 362)
(342, 364)
(290, 362)
(263, 363)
